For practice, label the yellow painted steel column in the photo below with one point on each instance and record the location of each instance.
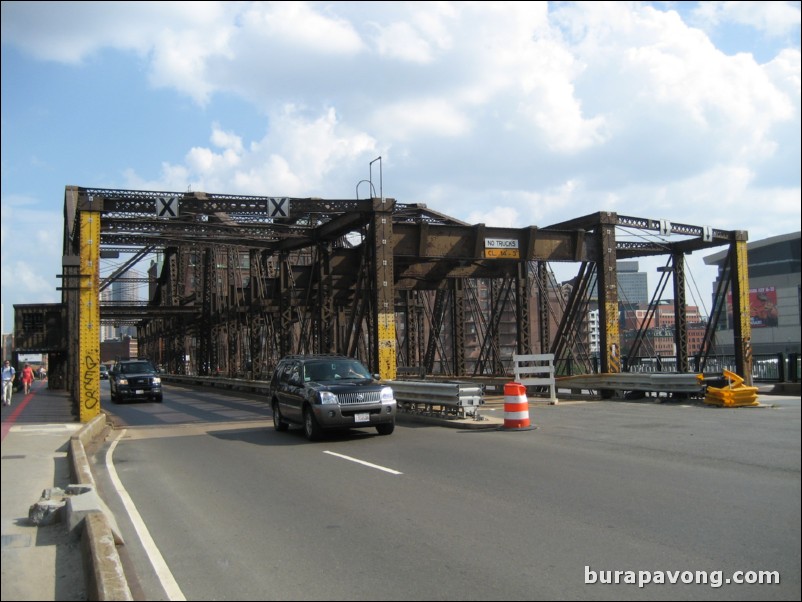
(607, 275)
(384, 286)
(89, 318)
(742, 330)
(387, 353)
(613, 337)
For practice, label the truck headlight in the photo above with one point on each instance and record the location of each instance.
(327, 397)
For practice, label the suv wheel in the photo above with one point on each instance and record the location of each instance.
(278, 423)
(385, 429)
(312, 429)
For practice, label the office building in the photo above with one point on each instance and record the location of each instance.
(774, 296)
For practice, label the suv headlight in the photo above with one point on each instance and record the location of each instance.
(122, 381)
(387, 395)
(327, 397)
(157, 380)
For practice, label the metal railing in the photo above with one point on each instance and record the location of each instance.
(438, 398)
(767, 368)
(460, 399)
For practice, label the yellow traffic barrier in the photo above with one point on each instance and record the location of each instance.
(736, 394)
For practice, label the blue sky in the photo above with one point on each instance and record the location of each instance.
(509, 114)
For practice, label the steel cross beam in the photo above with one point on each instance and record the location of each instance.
(368, 255)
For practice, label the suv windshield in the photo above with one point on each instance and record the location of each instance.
(136, 367)
(326, 370)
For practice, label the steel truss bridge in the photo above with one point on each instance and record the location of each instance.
(240, 281)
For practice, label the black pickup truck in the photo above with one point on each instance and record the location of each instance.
(135, 380)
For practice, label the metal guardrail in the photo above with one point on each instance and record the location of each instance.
(634, 381)
(236, 384)
(766, 367)
(461, 398)
(438, 398)
(426, 398)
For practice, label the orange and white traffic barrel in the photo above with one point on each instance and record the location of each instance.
(516, 407)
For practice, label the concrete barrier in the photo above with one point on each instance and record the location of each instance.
(103, 570)
(105, 578)
(80, 470)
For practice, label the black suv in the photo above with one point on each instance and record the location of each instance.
(135, 379)
(322, 392)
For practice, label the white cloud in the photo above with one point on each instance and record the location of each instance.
(226, 140)
(69, 32)
(423, 33)
(420, 118)
(297, 158)
(180, 58)
(501, 81)
(400, 40)
(297, 25)
(499, 217)
(784, 72)
(30, 260)
(775, 19)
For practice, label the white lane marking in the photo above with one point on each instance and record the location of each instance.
(376, 466)
(156, 559)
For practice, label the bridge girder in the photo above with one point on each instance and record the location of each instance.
(317, 275)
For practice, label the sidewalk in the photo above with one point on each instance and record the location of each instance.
(38, 562)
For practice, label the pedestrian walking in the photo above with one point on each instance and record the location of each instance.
(9, 374)
(27, 377)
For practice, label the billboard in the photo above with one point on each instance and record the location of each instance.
(762, 307)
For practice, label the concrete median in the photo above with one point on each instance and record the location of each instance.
(103, 570)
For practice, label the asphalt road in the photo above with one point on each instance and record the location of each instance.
(237, 511)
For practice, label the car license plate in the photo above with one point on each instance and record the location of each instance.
(362, 417)
(140, 392)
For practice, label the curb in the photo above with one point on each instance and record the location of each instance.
(103, 569)
(794, 389)
(105, 578)
(454, 423)
(517, 429)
